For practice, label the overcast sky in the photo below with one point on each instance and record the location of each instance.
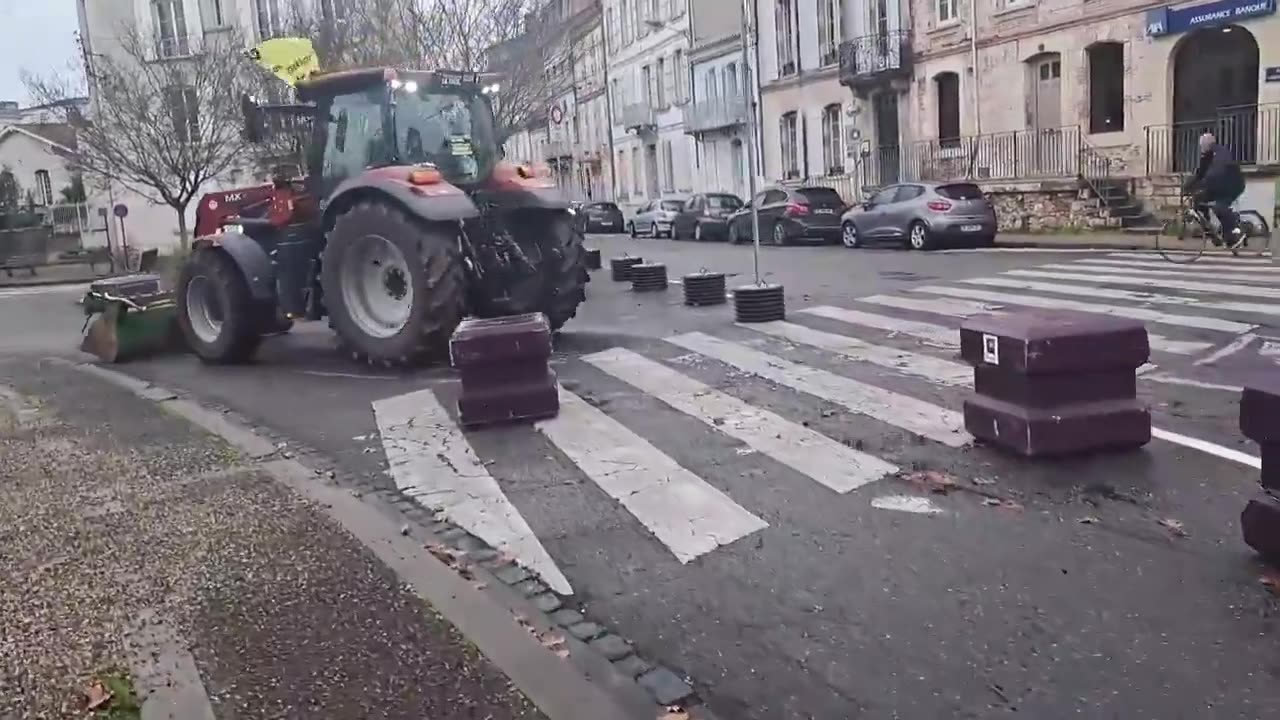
(38, 35)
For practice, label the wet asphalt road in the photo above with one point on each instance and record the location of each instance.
(1070, 600)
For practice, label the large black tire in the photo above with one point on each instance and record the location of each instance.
(228, 298)
(436, 275)
(564, 261)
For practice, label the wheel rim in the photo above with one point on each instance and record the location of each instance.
(850, 235)
(204, 312)
(653, 230)
(697, 232)
(377, 287)
(917, 236)
(778, 236)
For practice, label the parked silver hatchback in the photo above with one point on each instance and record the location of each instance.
(923, 216)
(656, 218)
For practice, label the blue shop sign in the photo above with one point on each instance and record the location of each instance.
(1169, 21)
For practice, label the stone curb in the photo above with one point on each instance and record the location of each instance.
(602, 663)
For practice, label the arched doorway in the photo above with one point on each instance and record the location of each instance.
(1215, 88)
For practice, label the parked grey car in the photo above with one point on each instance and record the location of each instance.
(656, 218)
(923, 216)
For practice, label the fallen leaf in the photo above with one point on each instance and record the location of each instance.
(480, 585)
(674, 713)
(983, 481)
(933, 480)
(1088, 520)
(1003, 504)
(97, 696)
(1173, 526)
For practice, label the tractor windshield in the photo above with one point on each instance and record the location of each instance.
(452, 130)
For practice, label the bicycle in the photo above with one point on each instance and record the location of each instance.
(1187, 237)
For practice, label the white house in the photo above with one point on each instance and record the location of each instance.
(723, 97)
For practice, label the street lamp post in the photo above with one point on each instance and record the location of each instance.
(747, 97)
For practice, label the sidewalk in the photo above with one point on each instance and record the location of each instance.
(1099, 241)
(57, 274)
(147, 559)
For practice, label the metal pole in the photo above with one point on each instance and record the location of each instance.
(749, 98)
(977, 76)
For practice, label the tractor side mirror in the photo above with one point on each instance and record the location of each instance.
(255, 122)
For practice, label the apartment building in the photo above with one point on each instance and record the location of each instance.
(723, 96)
(648, 68)
(578, 140)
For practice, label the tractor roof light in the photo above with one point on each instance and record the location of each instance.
(425, 176)
(411, 87)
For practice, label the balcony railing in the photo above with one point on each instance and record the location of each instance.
(715, 114)
(638, 116)
(872, 59)
(1250, 132)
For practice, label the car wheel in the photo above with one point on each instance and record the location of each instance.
(697, 233)
(631, 228)
(918, 237)
(653, 230)
(849, 235)
(779, 234)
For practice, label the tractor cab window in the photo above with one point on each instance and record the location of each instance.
(452, 130)
(355, 138)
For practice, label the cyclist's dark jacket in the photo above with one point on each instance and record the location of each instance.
(1218, 174)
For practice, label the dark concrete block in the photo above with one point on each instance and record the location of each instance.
(1044, 391)
(632, 666)
(665, 686)
(547, 602)
(585, 631)
(513, 373)
(1271, 466)
(611, 646)
(500, 341)
(512, 575)
(1260, 524)
(494, 404)
(1260, 409)
(1053, 341)
(1037, 432)
(566, 617)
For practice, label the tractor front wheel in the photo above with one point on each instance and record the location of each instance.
(395, 287)
(216, 313)
(564, 262)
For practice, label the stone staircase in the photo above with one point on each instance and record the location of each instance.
(1118, 205)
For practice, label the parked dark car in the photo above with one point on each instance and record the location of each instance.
(790, 215)
(601, 217)
(706, 217)
(923, 216)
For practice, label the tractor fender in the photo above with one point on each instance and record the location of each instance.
(526, 198)
(440, 202)
(250, 257)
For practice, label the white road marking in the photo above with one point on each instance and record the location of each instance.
(353, 376)
(1211, 256)
(1129, 295)
(1200, 266)
(916, 416)
(1205, 446)
(952, 308)
(1144, 314)
(1183, 274)
(682, 510)
(1188, 382)
(1003, 250)
(1212, 288)
(908, 504)
(830, 463)
(432, 461)
(1229, 349)
(938, 370)
(932, 334)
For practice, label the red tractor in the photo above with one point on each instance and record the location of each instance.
(407, 221)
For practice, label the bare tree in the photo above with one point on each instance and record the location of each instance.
(166, 119)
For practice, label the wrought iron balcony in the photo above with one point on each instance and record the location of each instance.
(638, 116)
(872, 61)
(715, 114)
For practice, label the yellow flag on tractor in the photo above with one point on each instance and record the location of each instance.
(290, 59)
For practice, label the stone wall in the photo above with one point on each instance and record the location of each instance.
(1044, 207)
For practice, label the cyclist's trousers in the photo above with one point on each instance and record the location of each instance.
(1227, 217)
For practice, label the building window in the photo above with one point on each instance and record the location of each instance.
(44, 187)
(832, 140)
(947, 88)
(946, 11)
(1106, 87)
(682, 77)
(184, 112)
(212, 14)
(637, 180)
(666, 82)
(786, 33)
(171, 28)
(732, 88)
(270, 21)
(828, 32)
(790, 152)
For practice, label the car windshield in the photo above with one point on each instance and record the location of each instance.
(452, 130)
(821, 197)
(672, 205)
(960, 191)
(723, 202)
(606, 207)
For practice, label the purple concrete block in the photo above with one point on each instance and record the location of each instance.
(1053, 390)
(1035, 342)
(509, 402)
(1271, 466)
(1260, 409)
(1260, 525)
(500, 341)
(516, 373)
(1063, 430)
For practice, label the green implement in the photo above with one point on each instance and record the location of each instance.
(123, 326)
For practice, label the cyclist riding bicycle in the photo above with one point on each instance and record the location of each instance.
(1218, 183)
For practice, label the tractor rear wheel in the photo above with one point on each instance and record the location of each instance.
(564, 262)
(395, 287)
(216, 313)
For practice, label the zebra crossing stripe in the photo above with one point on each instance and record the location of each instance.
(1217, 257)
(1216, 288)
(916, 416)
(954, 308)
(1144, 314)
(682, 510)
(906, 362)
(828, 462)
(932, 334)
(431, 461)
(1198, 267)
(1128, 295)
(1184, 274)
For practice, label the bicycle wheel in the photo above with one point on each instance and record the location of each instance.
(1257, 235)
(1181, 241)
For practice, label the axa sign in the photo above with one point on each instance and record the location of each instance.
(1168, 20)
